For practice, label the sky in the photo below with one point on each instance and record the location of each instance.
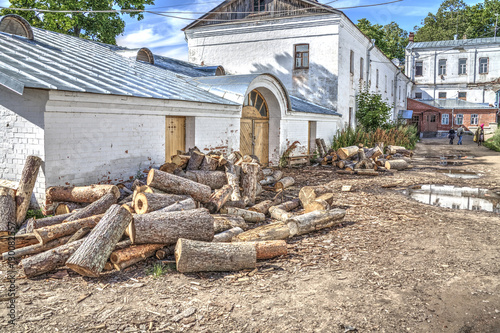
(163, 35)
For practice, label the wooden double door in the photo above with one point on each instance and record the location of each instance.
(254, 127)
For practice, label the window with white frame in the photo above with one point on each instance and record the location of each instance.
(376, 82)
(459, 119)
(419, 68)
(392, 87)
(442, 67)
(361, 68)
(462, 66)
(445, 119)
(483, 65)
(385, 84)
(474, 119)
(351, 64)
(399, 92)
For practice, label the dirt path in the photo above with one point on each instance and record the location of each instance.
(395, 265)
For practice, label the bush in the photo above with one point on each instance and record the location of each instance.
(398, 135)
(372, 112)
(494, 142)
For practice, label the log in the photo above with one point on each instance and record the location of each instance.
(238, 204)
(196, 256)
(137, 183)
(249, 181)
(361, 155)
(268, 180)
(280, 214)
(233, 179)
(323, 144)
(79, 234)
(284, 183)
(234, 157)
(316, 220)
(214, 179)
(263, 206)
(22, 229)
(345, 172)
(67, 207)
(347, 152)
(391, 149)
(150, 202)
(45, 222)
(46, 234)
(323, 202)
(367, 172)
(167, 228)
(141, 252)
(7, 243)
(169, 167)
(8, 222)
(195, 160)
(277, 175)
(308, 194)
(270, 249)
(247, 215)
(319, 147)
(180, 160)
(374, 153)
(178, 185)
(34, 249)
(219, 198)
(89, 259)
(396, 164)
(186, 204)
(128, 206)
(164, 252)
(349, 166)
(97, 207)
(227, 236)
(26, 186)
(267, 172)
(49, 260)
(289, 205)
(209, 163)
(223, 222)
(273, 231)
(84, 194)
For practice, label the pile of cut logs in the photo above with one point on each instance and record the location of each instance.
(366, 161)
(206, 222)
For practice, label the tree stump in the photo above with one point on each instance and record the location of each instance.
(323, 202)
(167, 228)
(91, 256)
(249, 181)
(150, 202)
(196, 256)
(8, 220)
(26, 186)
(97, 207)
(273, 231)
(47, 234)
(178, 185)
(347, 152)
(219, 198)
(227, 236)
(83, 194)
(308, 194)
(316, 220)
(224, 222)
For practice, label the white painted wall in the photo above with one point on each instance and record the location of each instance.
(22, 131)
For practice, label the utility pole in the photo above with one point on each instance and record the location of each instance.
(496, 24)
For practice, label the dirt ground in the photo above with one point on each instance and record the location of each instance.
(394, 265)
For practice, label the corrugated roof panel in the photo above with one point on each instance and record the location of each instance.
(455, 43)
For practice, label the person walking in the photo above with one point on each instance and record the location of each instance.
(451, 135)
(460, 133)
(480, 134)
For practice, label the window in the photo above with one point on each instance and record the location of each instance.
(350, 117)
(445, 119)
(462, 95)
(419, 68)
(376, 85)
(459, 119)
(361, 68)
(483, 65)
(442, 95)
(433, 118)
(462, 66)
(392, 87)
(418, 95)
(442, 67)
(385, 84)
(302, 56)
(474, 119)
(258, 5)
(351, 64)
(399, 92)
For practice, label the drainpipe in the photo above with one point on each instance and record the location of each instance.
(435, 74)
(368, 62)
(452, 117)
(395, 89)
(475, 63)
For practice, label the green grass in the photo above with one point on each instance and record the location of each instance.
(494, 142)
(36, 213)
(158, 270)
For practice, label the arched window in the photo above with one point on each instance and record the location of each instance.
(255, 106)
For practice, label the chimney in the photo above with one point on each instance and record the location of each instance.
(411, 37)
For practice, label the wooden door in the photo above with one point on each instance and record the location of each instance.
(261, 140)
(175, 136)
(246, 137)
(432, 122)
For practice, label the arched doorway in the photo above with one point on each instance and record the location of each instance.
(254, 127)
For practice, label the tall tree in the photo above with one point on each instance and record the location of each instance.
(390, 38)
(102, 27)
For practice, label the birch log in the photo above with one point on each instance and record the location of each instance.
(26, 186)
(196, 256)
(91, 256)
(319, 219)
(7, 211)
(178, 185)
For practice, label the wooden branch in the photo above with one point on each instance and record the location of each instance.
(26, 186)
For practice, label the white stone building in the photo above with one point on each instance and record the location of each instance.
(314, 49)
(466, 69)
(98, 113)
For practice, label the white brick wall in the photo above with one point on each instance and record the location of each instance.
(22, 131)
(218, 134)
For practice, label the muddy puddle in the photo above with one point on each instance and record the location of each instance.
(456, 197)
(447, 160)
(459, 174)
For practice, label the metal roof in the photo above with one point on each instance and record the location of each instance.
(454, 104)
(301, 105)
(61, 62)
(455, 43)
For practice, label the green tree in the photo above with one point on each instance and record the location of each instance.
(372, 112)
(102, 27)
(390, 38)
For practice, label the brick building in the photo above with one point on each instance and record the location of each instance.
(436, 117)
